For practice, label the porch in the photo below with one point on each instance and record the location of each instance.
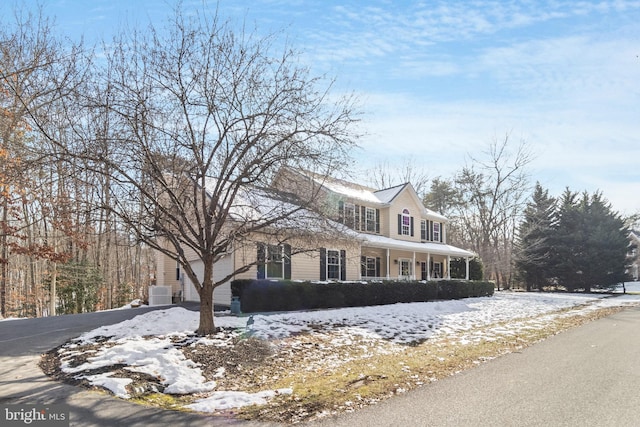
(390, 259)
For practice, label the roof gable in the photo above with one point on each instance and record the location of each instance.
(387, 195)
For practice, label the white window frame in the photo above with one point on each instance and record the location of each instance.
(349, 215)
(370, 220)
(437, 270)
(406, 227)
(370, 266)
(271, 259)
(424, 230)
(436, 231)
(409, 263)
(335, 265)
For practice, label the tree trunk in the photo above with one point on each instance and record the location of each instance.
(54, 277)
(207, 326)
(4, 261)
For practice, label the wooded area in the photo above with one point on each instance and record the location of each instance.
(52, 233)
(153, 145)
(90, 143)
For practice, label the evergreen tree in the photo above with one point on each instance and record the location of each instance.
(533, 245)
(590, 243)
(569, 241)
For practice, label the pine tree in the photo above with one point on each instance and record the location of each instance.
(533, 245)
(590, 243)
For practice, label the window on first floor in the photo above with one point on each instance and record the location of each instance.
(405, 268)
(274, 261)
(437, 270)
(370, 266)
(333, 265)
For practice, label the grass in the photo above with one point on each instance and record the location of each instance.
(164, 401)
(366, 378)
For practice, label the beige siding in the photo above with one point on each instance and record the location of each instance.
(385, 222)
(166, 272)
(404, 200)
(305, 262)
(305, 266)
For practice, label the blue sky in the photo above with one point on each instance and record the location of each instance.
(438, 80)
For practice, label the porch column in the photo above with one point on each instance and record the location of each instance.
(467, 271)
(428, 266)
(448, 267)
(388, 261)
(413, 266)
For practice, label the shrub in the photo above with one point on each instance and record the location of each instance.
(286, 295)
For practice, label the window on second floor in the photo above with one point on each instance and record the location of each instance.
(371, 220)
(436, 231)
(406, 222)
(349, 215)
(423, 230)
(359, 217)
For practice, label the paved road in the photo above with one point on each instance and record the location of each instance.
(588, 376)
(22, 382)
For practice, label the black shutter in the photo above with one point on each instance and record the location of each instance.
(430, 231)
(261, 258)
(400, 224)
(343, 265)
(378, 221)
(363, 266)
(411, 219)
(341, 212)
(287, 261)
(441, 231)
(363, 218)
(377, 266)
(323, 264)
(177, 271)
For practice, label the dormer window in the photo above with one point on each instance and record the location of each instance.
(406, 222)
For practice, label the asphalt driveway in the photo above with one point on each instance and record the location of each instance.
(22, 382)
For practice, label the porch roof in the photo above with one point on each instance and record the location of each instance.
(382, 242)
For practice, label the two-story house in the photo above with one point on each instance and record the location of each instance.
(388, 234)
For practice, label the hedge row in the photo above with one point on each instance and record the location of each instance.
(268, 295)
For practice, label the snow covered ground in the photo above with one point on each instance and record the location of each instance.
(156, 354)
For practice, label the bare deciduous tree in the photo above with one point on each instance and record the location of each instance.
(491, 197)
(385, 175)
(189, 123)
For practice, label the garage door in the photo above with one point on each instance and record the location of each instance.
(222, 294)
